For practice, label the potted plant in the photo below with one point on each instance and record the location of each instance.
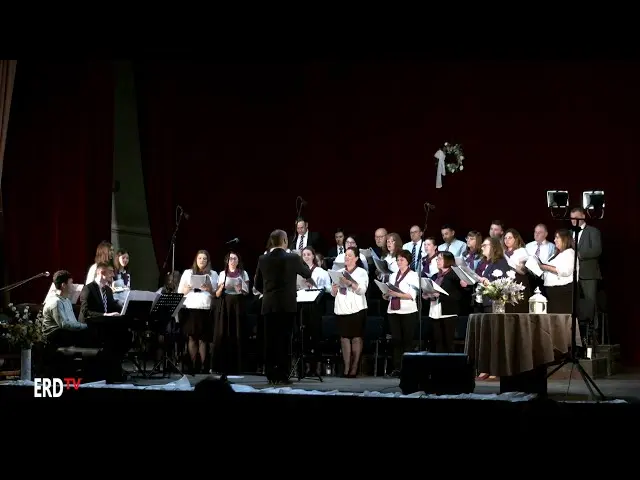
(21, 331)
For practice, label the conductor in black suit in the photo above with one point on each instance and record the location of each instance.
(100, 311)
(276, 279)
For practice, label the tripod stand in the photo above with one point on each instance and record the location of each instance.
(573, 357)
(297, 366)
(427, 208)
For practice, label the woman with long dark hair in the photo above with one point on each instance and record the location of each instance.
(233, 287)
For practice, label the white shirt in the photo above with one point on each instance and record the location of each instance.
(354, 300)
(409, 284)
(91, 274)
(391, 263)
(564, 265)
(229, 287)
(517, 258)
(457, 248)
(296, 241)
(322, 278)
(197, 300)
(419, 252)
(363, 259)
(547, 250)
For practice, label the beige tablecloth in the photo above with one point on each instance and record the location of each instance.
(509, 344)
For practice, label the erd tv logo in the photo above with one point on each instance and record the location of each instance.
(53, 387)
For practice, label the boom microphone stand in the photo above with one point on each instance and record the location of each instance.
(573, 358)
(180, 213)
(8, 288)
(427, 208)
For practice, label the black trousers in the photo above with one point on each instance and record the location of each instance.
(279, 327)
(444, 330)
(403, 328)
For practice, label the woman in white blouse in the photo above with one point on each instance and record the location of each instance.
(198, 326)
(230, 315)
(516, 256)
(394, 247)
(311, 312)
(351, 310)
(403, 309)
(558, 274)
(104, 254)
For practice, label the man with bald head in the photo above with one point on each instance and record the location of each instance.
(381, 242)
(540, 247)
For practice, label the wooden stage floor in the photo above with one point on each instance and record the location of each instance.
(624, 386)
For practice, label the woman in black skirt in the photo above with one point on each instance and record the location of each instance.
(558, 274)
(350, 309)
(233, 287)
(196, 312)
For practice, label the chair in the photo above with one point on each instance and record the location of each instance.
(373, 335)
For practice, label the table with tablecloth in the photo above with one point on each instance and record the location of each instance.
(518, 347)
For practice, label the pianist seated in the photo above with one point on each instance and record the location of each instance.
(60, 326)
(100, 311)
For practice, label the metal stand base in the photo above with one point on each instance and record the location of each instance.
(589, 382)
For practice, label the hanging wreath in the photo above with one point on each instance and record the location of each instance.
(450, 160)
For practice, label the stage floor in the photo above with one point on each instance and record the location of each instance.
(625, 386)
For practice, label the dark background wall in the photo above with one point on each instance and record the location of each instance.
(234, 144)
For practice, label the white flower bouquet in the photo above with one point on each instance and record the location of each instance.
(502, 289)
(21, 330)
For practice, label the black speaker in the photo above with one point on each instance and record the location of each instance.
(437, 373)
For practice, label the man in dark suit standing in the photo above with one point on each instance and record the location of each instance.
(276, 279)
(589, 250)
(304, 238)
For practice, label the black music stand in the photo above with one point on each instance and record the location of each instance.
(163, 311)
(138, 310)
(298, 363)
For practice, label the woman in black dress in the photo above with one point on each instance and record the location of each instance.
(233, 287)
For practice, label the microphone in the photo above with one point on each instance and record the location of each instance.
(429, 206)
(184, 214)
(303, 202)
(23, 282)
(233, 240)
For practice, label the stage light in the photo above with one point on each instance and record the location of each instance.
(593, 203)
(558, 203)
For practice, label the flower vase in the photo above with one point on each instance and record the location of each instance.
(498, 306)
(25, 364)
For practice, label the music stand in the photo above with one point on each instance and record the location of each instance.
(137, 306)
(307, 296)
(164, 309)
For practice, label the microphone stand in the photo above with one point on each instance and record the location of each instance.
(172, 247)
(573, 358)
(8, 288)
(419, 272)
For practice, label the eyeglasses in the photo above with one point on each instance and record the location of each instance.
(484, 245)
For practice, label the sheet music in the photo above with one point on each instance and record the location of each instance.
(197, 281)
(302, 283)
(74, 294)
(230, 284)
(307, 296)
(336, 276)
(464, 272)
(384, 288)
(138, 296)
(429, 286)
(382, 266)
(374, 255)
(337, 266)
(533, 265)
(367, 252)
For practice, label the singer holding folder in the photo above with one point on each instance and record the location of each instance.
(403, 309)
(444, 309)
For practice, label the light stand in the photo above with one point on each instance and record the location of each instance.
(573, 357)
(172, 248)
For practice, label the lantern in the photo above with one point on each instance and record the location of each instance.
(538, 303)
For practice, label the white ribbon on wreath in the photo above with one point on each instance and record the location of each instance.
(441, 170)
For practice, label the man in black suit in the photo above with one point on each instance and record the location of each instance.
(276, 278)
(304, 238)
(589, 250)
(100, 311)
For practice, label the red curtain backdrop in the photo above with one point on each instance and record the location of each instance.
(58, 166)
(235, 144)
